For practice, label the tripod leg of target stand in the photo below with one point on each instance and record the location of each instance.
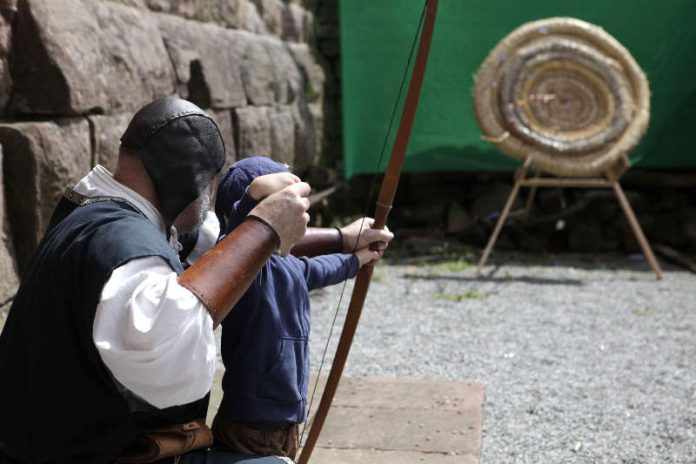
(501, 220)
(530, 198)
(635, 226)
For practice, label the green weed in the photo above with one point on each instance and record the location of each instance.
(644, 311)
(457, 297)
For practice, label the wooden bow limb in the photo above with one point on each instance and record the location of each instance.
(384, 202)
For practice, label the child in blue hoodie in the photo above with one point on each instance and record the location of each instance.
(265, 337)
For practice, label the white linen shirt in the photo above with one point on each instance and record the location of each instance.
(155, 336)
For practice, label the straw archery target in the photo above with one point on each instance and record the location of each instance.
(564, 92)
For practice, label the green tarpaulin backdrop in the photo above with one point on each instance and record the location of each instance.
(376, 37)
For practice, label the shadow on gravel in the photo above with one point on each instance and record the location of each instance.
(523, 279)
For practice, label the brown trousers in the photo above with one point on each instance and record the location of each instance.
(236, 437)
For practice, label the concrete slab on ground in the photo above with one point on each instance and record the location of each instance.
(398, 420)
(360, 456)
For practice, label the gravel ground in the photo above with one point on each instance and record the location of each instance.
(583, 362)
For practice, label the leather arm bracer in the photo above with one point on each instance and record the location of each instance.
(319, 241)
(221, 276)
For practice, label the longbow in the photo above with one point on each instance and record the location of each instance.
(383, 207)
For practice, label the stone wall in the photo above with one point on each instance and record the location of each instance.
(72, 72)
(464, 208)
(326, 40)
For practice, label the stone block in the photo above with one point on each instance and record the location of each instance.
(258, 72)
(5, 84)
(270, 131)
(307, 139)
(458, 219)
(308, 26)
(586, 236)
(250, 19)
(405, 416)
(106, 134)
(8, 8)
(207, 60)
(313, 75)
(285, 133)
(223, 119)
(134, 3)
(5, 79)
(270, 74)
(9, 279)
(5, 36)
(221, 68)
(223, 12)
(288, 86)
(424, 214)
(489, 202)
(78, 56)
(184, 8)
(296, 23)
(271, 12)
(40, 160)
(309, 108)
(282, 124)
(253, 131)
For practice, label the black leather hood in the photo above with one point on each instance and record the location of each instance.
(181, 149)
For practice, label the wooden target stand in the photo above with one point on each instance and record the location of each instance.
(610, 179)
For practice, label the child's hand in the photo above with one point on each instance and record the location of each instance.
(263, 186)
(359, 231)
(365, 256)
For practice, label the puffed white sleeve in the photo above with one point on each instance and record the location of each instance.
(207, 238)
(154, 335)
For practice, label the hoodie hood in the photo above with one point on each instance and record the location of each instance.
(233, 186)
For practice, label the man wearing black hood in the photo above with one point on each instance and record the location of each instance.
(109, 338)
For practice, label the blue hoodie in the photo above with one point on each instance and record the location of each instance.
(265, 337)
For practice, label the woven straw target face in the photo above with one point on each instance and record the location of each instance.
(566, 94)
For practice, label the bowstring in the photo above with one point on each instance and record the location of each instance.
(365, 211)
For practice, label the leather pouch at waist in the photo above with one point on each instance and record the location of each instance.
(166, 442)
